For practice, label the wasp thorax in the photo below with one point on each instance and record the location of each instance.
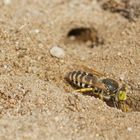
(111, 84)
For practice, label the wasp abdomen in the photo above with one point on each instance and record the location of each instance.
(81, 79)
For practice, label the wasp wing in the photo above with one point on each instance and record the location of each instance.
(92, 70)
(93, 81)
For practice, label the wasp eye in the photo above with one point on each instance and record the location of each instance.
(122, 96)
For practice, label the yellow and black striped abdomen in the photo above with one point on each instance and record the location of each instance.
(81, 79)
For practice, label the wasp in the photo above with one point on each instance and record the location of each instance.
(106, 89)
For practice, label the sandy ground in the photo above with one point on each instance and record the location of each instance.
(35, 100)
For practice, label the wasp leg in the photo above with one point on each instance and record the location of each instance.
(87, 90)
(124, 107)
(103, 97)
(115, 104)
(84, 90)
(113, 99)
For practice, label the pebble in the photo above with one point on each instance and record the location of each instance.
(40, 101)
(119, 54)
(129, 129)
(72, 38)
(7, 2)
(97, 135)
(57, 52)
(36, 31)
(131, 61)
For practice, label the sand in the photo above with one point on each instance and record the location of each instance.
(35, 100)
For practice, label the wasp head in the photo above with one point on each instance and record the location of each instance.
(122, 93)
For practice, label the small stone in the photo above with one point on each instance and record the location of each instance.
(62, 61)
(82, 58)
(72, 38)
(40, 101)
(12, 101)
(5, 66)
(89, 43)
(119, 53)
(57, 52)
(97, 135)
(57, 119)
(36, 31)
(131, 61)
(7, 2)
(129, 129)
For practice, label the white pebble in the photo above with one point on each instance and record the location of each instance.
(97, 135)
(57, 52)
(129, 129)
(7, 2)
(119, 54)
(36, 31)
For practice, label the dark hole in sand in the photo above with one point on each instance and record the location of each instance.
(79, 31)
(86, 35)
